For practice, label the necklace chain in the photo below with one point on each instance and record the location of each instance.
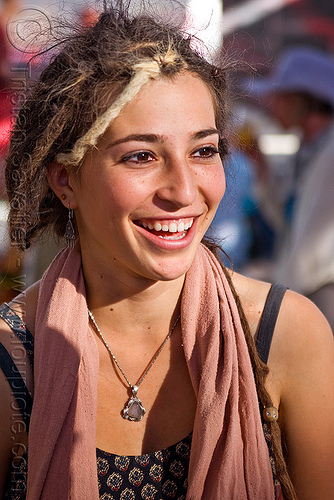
(117, 363)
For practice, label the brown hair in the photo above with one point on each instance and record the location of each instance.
(92, 69)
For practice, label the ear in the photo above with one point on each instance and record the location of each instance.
(59, 179)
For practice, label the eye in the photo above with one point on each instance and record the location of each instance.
(205, 152)
(139, 157)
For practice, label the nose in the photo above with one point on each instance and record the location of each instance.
(178, 185)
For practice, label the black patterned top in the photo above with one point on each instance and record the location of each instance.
(161, 475)
(154, 476)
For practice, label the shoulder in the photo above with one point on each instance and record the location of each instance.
(303, 339)
(301, 384)
(299, 323)
(25, 306)
(12, 432)
(302, 367)
(302, 348)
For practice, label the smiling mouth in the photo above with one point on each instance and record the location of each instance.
(167, 229)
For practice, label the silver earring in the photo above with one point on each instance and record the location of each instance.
(69, 230)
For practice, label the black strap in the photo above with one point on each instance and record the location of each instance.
(17, 384)
(268, 320)
(19, 389)
(16, 324)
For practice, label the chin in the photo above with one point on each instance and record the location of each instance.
(169, 271)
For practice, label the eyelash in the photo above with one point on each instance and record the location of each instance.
(213, 152)
(131, 157)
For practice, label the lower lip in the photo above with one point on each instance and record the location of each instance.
(170, 244)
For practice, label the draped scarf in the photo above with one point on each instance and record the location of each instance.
(229, 457)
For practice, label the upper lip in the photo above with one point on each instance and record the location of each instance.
(162, 218)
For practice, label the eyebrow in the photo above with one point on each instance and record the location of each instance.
(161, 138)
(205, 133)
(139, 138)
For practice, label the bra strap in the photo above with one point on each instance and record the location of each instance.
(268, 320)
(16, 324)
(17, 384)
(19, 389)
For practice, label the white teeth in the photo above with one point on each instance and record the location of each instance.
(174, 237)
(172, 227)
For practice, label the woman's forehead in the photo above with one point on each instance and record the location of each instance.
(183, 104)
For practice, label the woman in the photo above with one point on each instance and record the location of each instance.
(143, 344)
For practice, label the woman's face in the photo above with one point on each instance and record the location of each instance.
(145, 197)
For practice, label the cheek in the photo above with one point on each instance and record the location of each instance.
(125, 195)
(216, 188)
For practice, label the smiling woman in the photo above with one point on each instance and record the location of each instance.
(157, 165)
(151, 360)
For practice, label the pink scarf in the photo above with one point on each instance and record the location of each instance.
(229, 457)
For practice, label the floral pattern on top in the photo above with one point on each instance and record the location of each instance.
(155, 476)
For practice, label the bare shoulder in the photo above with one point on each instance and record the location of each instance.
(302, 358)
(301, 383)
(302, 344)
(299, 326)
(302, 326)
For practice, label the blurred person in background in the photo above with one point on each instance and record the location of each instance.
(300, 94)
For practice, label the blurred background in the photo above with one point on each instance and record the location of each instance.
(254, 221)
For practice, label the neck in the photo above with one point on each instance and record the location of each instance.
(131, 304)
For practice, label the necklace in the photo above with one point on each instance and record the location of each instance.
(134, 409)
